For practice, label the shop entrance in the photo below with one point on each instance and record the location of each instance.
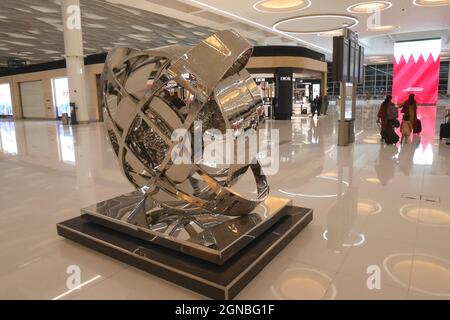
(61, 99)
(306, 85)
(304, 92)
(266, 82)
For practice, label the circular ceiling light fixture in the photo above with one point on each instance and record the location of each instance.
(369, 7)
(431, 3)
(386, 28)
(280, 6)
(315, 23)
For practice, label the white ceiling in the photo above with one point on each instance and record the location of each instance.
(415, 22)
(151, 23)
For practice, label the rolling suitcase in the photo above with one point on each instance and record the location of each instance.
(303, 110)
(444, 133)
(389, 136)
(418, 126)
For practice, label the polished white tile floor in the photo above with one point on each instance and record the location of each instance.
(374, 205)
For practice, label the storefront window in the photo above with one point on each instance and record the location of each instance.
(61, 96)
(5, 100)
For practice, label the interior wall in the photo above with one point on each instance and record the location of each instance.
(46, 78)
(32, 98)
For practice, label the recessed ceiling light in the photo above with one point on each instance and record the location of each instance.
(140, 28)
(93, 16)
(274, 6)
(254, 23)
(187, 25)
(369, 7)
(161, 25)
(431, 3)
(44, 9)
(51, 21)
(23, 10)
(47, 51)
(19, 35)
(19, 43)
(132, 11)
(95, 25)
(382, 28)
(320, 17)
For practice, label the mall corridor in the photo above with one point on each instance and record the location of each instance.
(374, 205)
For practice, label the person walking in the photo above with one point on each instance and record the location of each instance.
(405, 128)
(410, 107)
(391, 113)
(383, 112)
(319, 105)
(315, 107)
(326, 103)
(387, 116)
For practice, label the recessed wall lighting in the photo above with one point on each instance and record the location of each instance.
(328, 34)
(274, 6)
(382, 28)
(431, 3)
(353, 22)
(369, 7)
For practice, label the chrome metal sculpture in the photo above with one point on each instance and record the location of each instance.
(141, 117)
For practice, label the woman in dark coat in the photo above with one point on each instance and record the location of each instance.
(382, 112)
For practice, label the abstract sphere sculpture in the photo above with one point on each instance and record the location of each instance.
(141, 116)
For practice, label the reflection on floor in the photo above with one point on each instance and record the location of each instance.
(377, 208)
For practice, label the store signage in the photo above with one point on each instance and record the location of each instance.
(285, 78)
(416, 70)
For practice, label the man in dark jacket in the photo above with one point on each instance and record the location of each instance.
(326, 103)
(316, 105)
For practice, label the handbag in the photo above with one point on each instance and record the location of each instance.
(418, 126)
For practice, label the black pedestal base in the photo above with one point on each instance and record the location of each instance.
(214, 281)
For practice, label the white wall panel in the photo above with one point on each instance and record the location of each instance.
(32, 95)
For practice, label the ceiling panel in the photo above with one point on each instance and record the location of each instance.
(32, 29)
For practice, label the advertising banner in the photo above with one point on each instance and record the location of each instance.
(416, 70)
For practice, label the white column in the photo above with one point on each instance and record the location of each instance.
(73, 43)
